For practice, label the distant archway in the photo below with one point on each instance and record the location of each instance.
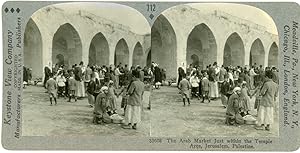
(121, 53)
(138, 53)
(163, 46)
(33, 45)
(99, 50)
(234, 52)
(67, 44)
(201, 47)
(273, 55)
(257, 53)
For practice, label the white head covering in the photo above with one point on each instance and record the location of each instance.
(111, 82)
(236, 89)
(104, 88)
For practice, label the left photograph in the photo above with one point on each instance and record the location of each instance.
(82, 71)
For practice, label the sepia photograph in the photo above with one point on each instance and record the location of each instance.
(220, 72)
(100, 69)
(82, 66)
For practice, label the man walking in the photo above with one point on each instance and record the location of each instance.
(134, 104)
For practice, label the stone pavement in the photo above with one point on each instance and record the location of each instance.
(167, 118)
(170, 119)
(75, 119)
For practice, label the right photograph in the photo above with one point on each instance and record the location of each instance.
(215, 68)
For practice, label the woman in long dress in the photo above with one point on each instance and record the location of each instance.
(78, 71)
(245, 95)
(213, 92)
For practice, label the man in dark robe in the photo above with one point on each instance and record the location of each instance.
(47, 72)
(180, 75)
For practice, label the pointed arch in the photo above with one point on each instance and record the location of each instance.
(138, 54)
(66, 46)
(121, 52)
(234, 51)
(99, 50)
(273, 55)
(257, 53)
(201, 46)
(163, 45)
(33, 46)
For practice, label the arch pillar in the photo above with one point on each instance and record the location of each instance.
(247, 53)
(131, 50)
(85, 52)
(112, 49)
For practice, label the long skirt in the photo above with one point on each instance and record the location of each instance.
(112, 103)
(91, 99)
(245, 103)
(213, 92)
(80, 92)
(265, 115)
(224, 99)
(132, 114)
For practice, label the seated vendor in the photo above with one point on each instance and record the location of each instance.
(232, 112)
(101, 105)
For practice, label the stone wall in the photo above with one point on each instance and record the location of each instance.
(60, 30)
(180, 36)
(184, 19)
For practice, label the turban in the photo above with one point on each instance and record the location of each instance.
(236, 89)
(104, 88)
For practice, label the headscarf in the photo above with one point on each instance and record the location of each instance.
(104, 88)
(236, 89)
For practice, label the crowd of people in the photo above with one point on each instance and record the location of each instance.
(102, 85)
(235, 86)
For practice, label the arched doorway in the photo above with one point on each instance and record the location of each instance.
(137, 58)
(33, 55)
(273, 55)
(121, 53)
(257, 53)
(201, 47)
(234, 52)
(66, 46)
(163, 46)
(99, 50)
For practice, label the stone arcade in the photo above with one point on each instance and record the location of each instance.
(57, 34)
(180, 36)
(183, 35)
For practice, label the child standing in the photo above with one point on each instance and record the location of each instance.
(184, 87)
(51, 87)
(225, 89)
(60, 79)
(112, 98)
(72, 87)
(205, 87)
(194, 80)
(245, 95)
